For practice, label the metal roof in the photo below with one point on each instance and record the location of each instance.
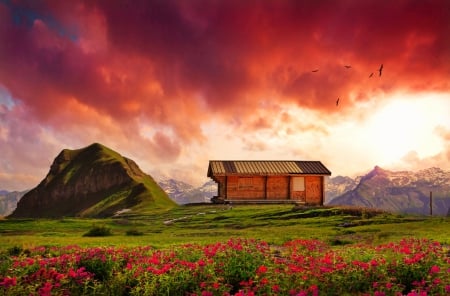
(266, 167)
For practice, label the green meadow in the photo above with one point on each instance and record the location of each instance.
(203, 224)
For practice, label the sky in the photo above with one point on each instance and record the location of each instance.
(174, 84)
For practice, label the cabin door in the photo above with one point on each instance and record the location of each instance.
(313, 190)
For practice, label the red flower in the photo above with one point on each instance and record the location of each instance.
(276, 288)
(8, 281)
(434, 269)
(261, 269)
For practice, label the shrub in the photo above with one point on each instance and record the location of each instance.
(98, 231)
(15, 251)
(134, 232)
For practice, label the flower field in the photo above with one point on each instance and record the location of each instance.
(235, 267)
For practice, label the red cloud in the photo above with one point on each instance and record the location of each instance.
(179, 64)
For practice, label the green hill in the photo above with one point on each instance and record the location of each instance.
(94, 181)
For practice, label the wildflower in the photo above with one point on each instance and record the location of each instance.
(434, 269)
(8, 282)
(46, 290)
(275, 288)
(261, 269)
(201, 262)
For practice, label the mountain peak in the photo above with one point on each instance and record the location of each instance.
(376, 172)
(400, 191)
(94, 181)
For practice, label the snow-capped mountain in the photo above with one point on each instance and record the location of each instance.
(9, 200)
(401, 191)
(183, 193)
(336, 186)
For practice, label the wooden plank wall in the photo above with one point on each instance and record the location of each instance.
(278, 188)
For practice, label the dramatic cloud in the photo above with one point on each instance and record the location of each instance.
(151, 78)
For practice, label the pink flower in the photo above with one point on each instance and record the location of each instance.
(201, 262)
(447, 288)
(434, 269)
(46, 290)
(8, 282)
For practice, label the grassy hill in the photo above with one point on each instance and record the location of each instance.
(94, 181)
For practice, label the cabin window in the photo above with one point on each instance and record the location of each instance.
(245, 183)
(298, 184)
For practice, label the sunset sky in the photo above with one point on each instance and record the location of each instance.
(174, 84)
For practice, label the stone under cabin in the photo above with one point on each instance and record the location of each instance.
(269, 181)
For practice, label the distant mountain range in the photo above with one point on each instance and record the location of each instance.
(9, 200)
(393, 191)
(401, 191)
(183, 193)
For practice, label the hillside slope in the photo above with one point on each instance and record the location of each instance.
(94, 181)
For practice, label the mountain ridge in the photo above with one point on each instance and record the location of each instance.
(401, 191)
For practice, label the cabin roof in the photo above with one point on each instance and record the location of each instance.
(266, 167)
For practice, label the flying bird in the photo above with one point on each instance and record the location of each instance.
(381, 69)
(371, 74)
(315, 70)
(337, 102)
(347, 66)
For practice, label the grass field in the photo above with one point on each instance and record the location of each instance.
(216, 250)
(204, 224)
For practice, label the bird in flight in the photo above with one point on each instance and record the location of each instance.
(381, 69)
(316, 70)
(337, 102)
(371, 74)
(347, 66)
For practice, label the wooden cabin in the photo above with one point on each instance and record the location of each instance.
(269, 181)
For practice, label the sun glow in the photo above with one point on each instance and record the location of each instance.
(406, 124)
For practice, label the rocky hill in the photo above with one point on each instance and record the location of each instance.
(183, 193)
(401, 192)
(94, 181)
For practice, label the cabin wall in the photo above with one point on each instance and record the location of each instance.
(277, 187)
(252, 187)
(307, 189)
(221, 186)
